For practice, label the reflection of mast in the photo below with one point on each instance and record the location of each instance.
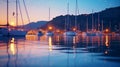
(16, 53)
(50, 48)
(74, 49)
(11, 51)
(67, 42)
(8, 54)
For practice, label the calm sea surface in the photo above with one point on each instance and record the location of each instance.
(60, 51)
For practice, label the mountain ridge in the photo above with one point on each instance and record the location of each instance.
(109, 17)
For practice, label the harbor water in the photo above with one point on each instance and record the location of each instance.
(60, 51)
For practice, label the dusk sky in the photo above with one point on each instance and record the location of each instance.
(39, 9)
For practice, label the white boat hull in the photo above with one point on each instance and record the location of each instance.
(70, 33)
(49, 33)
(90, 33)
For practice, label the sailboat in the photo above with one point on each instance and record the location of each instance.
(99, 33)
(85, 33)
(16, 31)
(49, 32)
(92, 32)
(69, 32)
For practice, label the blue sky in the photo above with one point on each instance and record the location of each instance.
(59, 7)
(38, 9)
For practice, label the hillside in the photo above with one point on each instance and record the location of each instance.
(35, 25)
(110, 18)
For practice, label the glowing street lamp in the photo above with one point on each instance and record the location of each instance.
(74, 29)
(50, 28)
(12, 47)
(107, 30)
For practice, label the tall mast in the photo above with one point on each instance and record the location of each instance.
(67, 22)
(76, 15)
(49, 14)
(102, 26)
(7, 15)
(17, 13)
(19, 6)
(87, 23)
(92, 21)
(98, 21)
(26, 11)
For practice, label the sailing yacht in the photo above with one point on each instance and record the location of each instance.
(99, 33)
(14, 32)
(49, 33)
(69, 32)
(92, 32)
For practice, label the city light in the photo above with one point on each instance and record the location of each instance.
(74, 29)
(50, 28)
(12, 47)
(107, 30)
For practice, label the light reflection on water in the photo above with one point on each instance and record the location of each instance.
(59, 51)
(12, 47)
(50, 43)
(106, 40)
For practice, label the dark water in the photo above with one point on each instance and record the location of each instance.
(59, 51)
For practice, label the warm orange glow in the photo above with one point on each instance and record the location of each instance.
(74, 29)
(12, 40)
(12, 23)
(107, 41)
(12, 47)
(107, 30)
(58, 31)
(50, 43)
(32, 35)
(50, 28)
